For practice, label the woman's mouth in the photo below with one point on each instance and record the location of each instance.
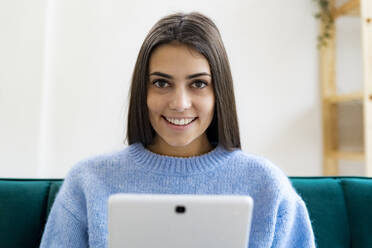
(179, 123)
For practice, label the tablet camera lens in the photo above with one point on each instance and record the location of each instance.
(180, 209)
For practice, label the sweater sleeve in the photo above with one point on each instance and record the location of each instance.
(67, 222)
(293, 227)
(63, 229)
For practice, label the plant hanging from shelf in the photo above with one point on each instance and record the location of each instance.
(325, 15)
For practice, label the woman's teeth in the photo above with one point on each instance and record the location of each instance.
(180, 122)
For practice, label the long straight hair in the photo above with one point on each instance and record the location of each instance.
(199, 32)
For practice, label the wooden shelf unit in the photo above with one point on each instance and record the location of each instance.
(351, 8)
(330, 98)
(344, 98)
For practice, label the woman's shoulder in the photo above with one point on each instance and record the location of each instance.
(96, 163)
(262, 170)
(258, 163)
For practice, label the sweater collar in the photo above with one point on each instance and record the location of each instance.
(169, 165)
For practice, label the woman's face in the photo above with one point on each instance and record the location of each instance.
(180, 97)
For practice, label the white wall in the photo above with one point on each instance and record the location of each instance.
(68, 64)
(21, 58)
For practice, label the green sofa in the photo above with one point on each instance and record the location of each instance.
(340, 209)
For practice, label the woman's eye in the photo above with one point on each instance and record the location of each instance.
(199, 84)
(160, 83)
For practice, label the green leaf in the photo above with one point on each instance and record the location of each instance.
(324, 3)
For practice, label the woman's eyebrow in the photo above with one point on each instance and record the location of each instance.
(156, 73)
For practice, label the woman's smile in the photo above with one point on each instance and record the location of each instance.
(179, 124)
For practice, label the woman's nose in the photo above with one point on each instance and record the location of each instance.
(180, 100)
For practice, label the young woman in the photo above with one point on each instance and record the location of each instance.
(183, 138)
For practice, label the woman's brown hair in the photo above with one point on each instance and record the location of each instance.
(199, 32)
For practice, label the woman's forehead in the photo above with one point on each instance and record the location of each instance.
(177, 59)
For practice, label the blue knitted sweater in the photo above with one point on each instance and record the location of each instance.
(78, 217)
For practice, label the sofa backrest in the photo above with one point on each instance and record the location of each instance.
(340, 209)
(24, 206)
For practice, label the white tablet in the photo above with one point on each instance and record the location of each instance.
(179, 221)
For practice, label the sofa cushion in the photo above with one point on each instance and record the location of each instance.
(22, 209)
(358, 195)
(324, 198)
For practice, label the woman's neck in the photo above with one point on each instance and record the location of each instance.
(195, 148)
